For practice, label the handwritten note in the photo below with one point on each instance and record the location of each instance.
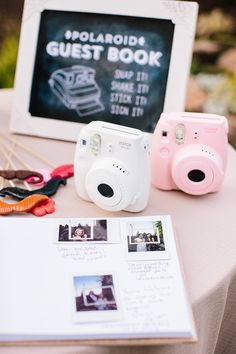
(82, 253)
(150, 270)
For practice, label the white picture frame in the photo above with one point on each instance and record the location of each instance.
(41, 112)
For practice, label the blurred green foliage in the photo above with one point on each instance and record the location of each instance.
(197, 67)
(8, 55)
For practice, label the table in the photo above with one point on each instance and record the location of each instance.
(205, 228)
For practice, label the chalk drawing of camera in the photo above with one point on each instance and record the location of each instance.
(77, 89)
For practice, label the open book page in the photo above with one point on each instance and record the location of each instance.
(91, 279)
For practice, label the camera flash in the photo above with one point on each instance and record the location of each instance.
(179, 133)
(95, 144)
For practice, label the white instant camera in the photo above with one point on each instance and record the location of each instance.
(112, 167)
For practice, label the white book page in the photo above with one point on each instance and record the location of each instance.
(109, 286)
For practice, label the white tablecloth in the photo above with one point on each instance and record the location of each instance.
(206, 232)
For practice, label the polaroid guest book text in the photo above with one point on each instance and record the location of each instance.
(95, 49)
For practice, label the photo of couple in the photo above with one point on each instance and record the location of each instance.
(145, 237)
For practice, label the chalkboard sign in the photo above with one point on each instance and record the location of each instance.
(124, 66)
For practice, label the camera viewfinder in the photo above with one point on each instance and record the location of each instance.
(95, 144)
(164, 133)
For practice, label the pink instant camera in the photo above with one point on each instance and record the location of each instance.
(189, 152)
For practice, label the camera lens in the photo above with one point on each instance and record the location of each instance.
(105, 190)
(196, 175)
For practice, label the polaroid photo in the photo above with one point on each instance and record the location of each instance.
(145, 239)
(95, 298)
(62, 232)
(88, 230)
(81, 230)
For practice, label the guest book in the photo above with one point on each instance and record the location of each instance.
(98, 281)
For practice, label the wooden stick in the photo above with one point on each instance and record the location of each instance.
(12, 184)
(14, 167)
(9, 156)
(2, 180)
(33, 153)
(25, 164)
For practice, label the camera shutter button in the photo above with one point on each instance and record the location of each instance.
(164, 151)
